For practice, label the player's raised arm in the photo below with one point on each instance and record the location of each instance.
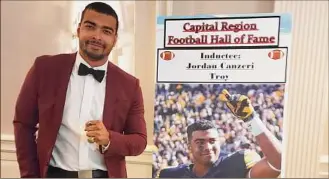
(270, 165)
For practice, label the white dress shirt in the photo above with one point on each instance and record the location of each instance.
(84, 102)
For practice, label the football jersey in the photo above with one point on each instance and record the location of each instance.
(235, 165)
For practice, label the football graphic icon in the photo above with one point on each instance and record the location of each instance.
(276, 54)
(167, 55)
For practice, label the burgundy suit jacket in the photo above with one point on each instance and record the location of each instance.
(41, 101)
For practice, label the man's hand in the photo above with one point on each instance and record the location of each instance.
(97, 132)
(239, 105)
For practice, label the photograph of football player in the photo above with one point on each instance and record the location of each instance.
(204, 148)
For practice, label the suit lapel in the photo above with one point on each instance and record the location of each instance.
(64, 73)
(111, 99)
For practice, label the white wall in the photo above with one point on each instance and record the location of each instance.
(37, 30)
(28, 29)
(307, 102)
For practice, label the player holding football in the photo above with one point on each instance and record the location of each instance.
(203, 142)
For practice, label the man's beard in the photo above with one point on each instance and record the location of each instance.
(92, 56)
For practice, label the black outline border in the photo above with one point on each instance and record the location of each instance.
(192, 82)
(214, 18)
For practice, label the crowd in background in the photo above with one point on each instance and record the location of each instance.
(179, 105)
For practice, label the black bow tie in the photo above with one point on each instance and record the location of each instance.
(97, 74)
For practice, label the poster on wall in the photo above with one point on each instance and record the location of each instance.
(220, 92)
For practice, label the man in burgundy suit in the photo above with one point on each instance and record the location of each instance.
(90, 113)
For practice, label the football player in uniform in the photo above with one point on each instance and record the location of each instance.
(204, 147)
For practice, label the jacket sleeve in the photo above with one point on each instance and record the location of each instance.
(134, 140)
(25, 121)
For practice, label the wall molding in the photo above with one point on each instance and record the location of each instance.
(8, 152)
(324, 164)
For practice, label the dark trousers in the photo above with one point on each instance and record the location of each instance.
(54, 172)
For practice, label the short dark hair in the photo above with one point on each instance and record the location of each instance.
(201, 125)
(103, 8)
